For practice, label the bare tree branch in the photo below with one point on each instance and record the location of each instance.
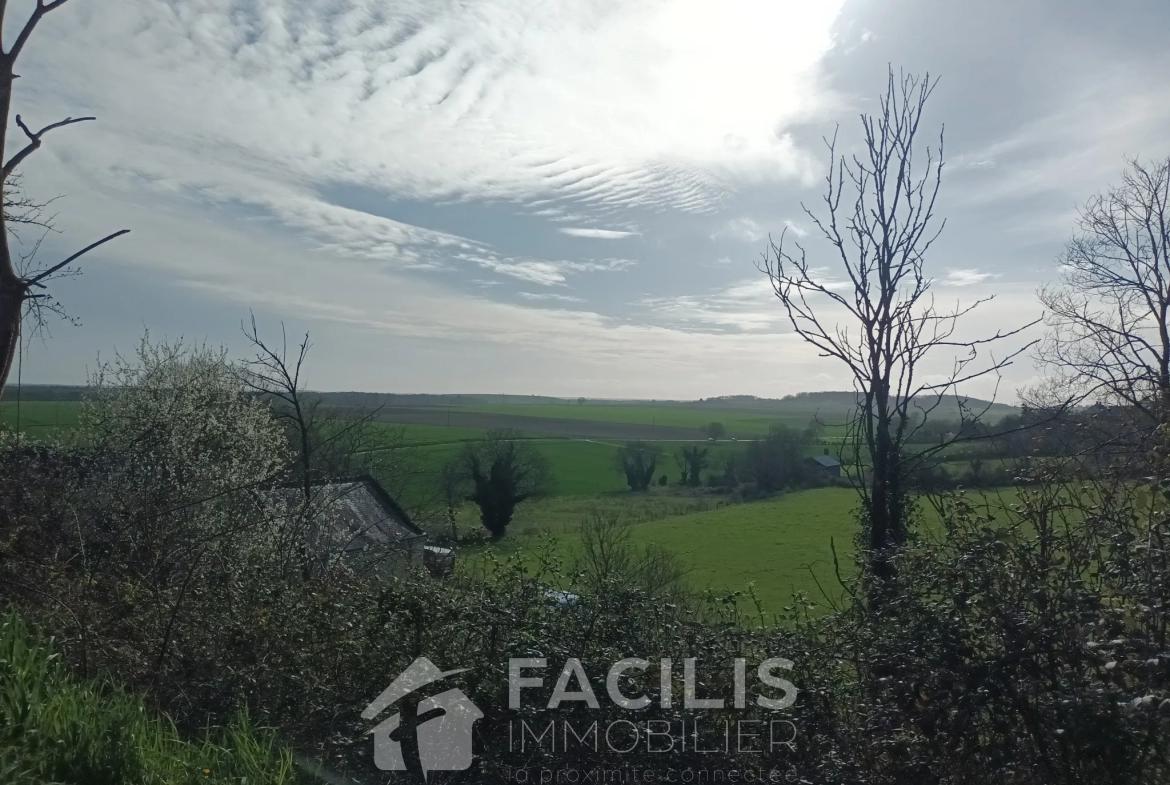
(35, 140)
(1108, 337)
(36, 280)
(25, 32)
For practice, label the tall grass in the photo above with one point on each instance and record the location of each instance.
(54, 729)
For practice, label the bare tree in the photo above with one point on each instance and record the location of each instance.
(274, 374)
(608, 557)
(1108, 339)
(329, 442)
(22, 285)
(880, 223)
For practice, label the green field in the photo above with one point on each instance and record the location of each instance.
(46, 417)
(739, 423)
(580, 467)
(39, 417)
(779, 546)
(428, 434)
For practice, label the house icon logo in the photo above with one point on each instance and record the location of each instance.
(428, 733)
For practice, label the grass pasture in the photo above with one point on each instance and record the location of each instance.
(38, 418)
(741, 424)
(779, 545)
(421, 435)
(580, 467)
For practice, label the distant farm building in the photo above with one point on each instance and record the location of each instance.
(827, 464)
(357, 519)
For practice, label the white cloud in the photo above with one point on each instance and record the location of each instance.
(747, 306)
(599, 234)
(604, 265)
(966, 277)
(561, 298)
(237, 115)
(743, 230)
(529, 270)
(748, 230)
(543, 272)
(610, 103)
(259, 106)
(796, 228)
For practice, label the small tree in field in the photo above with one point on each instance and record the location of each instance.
(501, 472)
(637, 461)
(715, 430)
(691, 463)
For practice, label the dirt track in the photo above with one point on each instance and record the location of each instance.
(581, 429)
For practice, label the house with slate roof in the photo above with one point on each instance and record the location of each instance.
(357, 519)
(828, 464)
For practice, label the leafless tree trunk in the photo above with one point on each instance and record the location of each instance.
(1108, 340)
(274, 374)
(332, 442)
(19, 287)
(879, 220)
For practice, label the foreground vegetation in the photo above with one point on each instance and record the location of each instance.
(54, 728)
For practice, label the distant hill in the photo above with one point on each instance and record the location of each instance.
(44, 392)
(840, 404)
(828, 406)
(62, 392)
(373, 400)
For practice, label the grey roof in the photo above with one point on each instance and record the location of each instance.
(828, 461)
(355, 514)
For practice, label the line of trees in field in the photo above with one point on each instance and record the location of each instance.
(776, 461)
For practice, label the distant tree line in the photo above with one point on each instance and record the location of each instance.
(779, 460)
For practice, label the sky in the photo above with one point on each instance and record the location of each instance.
(558, 198)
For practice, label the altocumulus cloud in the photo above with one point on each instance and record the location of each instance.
(615, 125)
(597, 234)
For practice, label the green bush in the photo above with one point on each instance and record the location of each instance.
(54, 729)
